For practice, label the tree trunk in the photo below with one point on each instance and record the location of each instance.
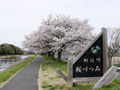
(59, 55)
(110, 61)
(53, 55)
(43, 53)
(49, 54)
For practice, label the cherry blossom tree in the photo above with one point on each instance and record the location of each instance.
(61, 32)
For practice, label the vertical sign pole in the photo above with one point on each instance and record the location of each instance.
(105, 52)
(70, 73)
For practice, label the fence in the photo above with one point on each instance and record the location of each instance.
(115, 60)
(66, 56)
(4, 62)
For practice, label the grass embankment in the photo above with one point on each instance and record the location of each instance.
(49, 80)
(9, 56)
(4, 76)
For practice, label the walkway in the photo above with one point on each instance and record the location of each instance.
(27, 78)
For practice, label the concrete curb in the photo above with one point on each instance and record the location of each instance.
(39, 83)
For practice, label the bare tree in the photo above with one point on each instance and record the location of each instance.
(113, 43)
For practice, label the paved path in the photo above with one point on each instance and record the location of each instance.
(27, 78)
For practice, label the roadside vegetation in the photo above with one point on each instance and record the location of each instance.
(50, 80)
(62, 66)
(10, 49)
(6, 75)
(9, 56)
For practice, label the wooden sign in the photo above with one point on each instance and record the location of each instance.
(108, 77)
(89, 65)
(92, 62)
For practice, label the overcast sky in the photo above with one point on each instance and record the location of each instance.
(21, 17)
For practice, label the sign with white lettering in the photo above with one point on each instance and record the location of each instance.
(90, 64)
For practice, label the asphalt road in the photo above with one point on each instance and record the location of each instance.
(27, 78)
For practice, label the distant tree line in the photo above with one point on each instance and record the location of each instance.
(10, 49)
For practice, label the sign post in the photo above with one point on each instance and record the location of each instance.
(70, 73)
(105, 55)
(91, 64)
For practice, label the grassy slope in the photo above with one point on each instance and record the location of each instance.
(9, 56)
(50, 81)
(62, 65)
(10, 72)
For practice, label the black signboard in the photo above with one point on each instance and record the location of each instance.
(90, 64)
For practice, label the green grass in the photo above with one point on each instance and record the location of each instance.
(13, 70)
(9, 56)
(51, 87)
(115, 85)
(61, 65)
(46, 86)
(47, 58)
